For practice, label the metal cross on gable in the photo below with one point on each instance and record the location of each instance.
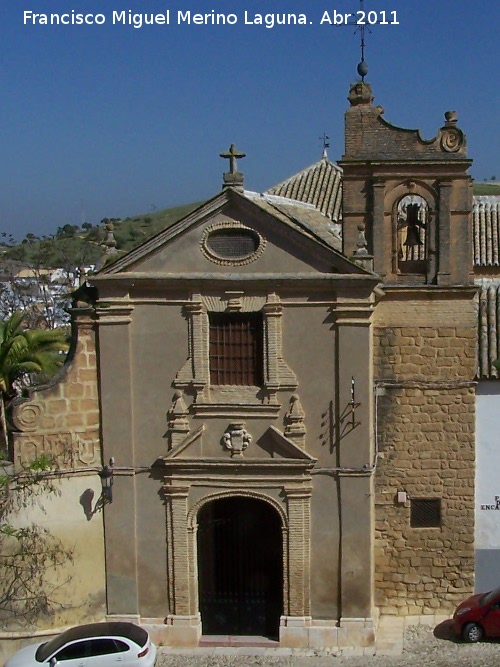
(232, 155)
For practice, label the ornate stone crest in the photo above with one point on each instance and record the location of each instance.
(236, 438)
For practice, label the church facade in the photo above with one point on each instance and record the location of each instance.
(288, 397)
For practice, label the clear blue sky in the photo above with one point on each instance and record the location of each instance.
(113, 121)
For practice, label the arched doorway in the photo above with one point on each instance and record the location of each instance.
(240, 567)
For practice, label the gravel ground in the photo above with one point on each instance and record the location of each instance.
(424, 647)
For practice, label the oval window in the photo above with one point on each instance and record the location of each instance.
(233, 244)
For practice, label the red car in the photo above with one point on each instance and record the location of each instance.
(478, 616)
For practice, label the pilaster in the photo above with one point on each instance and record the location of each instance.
(355, 456)
(176, 499)
(381, 242)
(299, 517)
(444, 233)
(115, 368)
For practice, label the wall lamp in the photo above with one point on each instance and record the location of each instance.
(107, 478)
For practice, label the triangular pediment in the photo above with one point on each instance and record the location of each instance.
(290, 237)
(273, 444)
(278, 445)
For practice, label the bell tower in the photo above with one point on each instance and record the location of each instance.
(411, 197)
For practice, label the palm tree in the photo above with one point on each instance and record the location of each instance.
(25, 353)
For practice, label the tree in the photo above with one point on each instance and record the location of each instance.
(25, 354)
(67, 230)
(29, 554)
(39, 276)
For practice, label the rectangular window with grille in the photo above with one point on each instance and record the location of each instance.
(236, 349)
(425, 513)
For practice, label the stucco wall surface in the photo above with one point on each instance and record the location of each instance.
(76, 590)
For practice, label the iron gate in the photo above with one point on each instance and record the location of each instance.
(240, 567)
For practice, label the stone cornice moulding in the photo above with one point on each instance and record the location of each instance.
(347, 310)
(313, 278)
(424, 291)
(115, 314)
(234, 410)
(232, 475)
(421, 165)
(176, 491)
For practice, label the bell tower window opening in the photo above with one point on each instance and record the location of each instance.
(412, 234)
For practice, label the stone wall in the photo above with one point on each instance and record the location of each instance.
(425, 435)
(62, 418)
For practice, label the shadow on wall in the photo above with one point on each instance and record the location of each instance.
(86, 500)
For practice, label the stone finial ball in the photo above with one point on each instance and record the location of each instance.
(362, 68)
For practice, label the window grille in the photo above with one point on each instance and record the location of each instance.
(236, 349)
(425, 513)
(233, 243)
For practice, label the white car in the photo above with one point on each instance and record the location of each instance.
(97, 644)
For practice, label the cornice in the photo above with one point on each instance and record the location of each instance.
(264, 470)
(438, 291)
(132, 279)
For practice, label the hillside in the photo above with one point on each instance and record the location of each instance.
(130, 232)
(486, 188)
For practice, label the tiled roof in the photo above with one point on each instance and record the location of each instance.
(302, 215)
(319, 185)
(486, 256)
(486, 231)
(489, 330)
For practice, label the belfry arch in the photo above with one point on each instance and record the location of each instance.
(411, 218)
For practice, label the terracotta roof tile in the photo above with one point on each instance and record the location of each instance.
(489, 330)
(319, 185)
(486, 231)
